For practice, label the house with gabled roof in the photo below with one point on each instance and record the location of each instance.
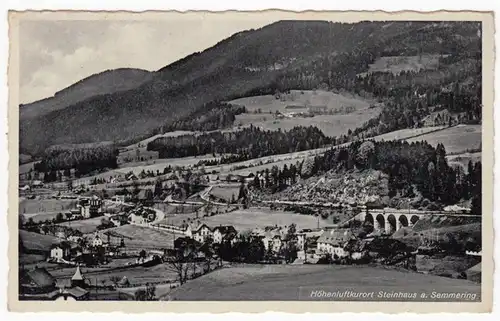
(60, 251)
(224, 232)
(36, 282)
(334, 241)
(202, 233)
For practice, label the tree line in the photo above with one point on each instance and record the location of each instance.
(247, 143)
(412, 167)
(210, 116)
(83, 159)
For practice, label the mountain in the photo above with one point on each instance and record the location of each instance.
(281, 56)
(106, 82)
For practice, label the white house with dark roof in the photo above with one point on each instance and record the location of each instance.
(334, 241)
(202, 233)
(221, 233)
(97, 241)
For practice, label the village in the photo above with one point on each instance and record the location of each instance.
(162, 238)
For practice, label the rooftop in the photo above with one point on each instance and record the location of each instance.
(336, 237)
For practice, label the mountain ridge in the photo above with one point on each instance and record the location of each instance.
(247, 63)
(101, 83)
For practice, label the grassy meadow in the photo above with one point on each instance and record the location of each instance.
(455, 139)
(295, 282)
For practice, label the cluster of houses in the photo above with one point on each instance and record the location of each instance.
(39, 284)
(310, 243)
(89, 207)
(141, 215)
(90, 251)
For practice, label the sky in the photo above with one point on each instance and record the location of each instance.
(56, 54)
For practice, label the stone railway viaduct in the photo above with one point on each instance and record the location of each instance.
(390, 221)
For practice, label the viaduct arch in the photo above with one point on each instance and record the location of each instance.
(389, 223)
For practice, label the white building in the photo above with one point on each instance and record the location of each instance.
(85, 211)
(97, 241)
(137, 219)
(203, 233)
(333, 242)
(60, 251)
(56, 253)
(272, 241)
(221, 233)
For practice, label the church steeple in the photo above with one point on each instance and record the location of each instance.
(78, 279)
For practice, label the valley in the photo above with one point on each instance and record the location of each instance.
(355, 158)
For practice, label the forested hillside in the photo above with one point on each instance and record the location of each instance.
(282, 56)
(415, 171)
(106, 82)
(246, 144)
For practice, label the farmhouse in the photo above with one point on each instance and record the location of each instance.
(97, 241)
(74, 238)
(271, 237)
(334, 241)
(301, 241)
(90, 207)
(202, 233)
(319, 109)
(37, 284)
(60, 251)
(119, 199)
(296, 107)
(118, 220)
(221, 233)
(138, 219)
(75, 213)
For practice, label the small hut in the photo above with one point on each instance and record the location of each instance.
(124, 282)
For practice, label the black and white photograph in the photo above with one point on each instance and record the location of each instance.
(232, 157)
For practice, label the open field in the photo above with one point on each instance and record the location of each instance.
(330, 125)
(35, 241)
(397, 64)
(445, 265)
(251, 218)
(463, 159)
(139, 276)
(144, 142)
(295, 282)
(25, 168)
(31, 258)
(459, 232)
(177, 208)
(160, 164)
(178, 219)
(406, 133)
(455, 139)
(40, 217)
(27, 206)
(85, 226)
(225, 193)
(261, 109)
(269, 103)
(139, 237)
